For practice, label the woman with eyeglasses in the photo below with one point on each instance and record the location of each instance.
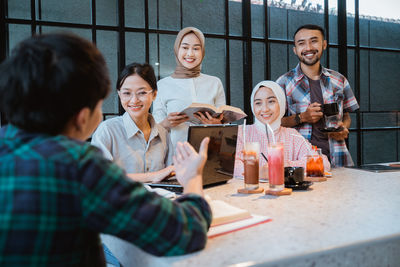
(134, 141)
(187, 85)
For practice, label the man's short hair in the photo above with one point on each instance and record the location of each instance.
(310, 27)
(48, 79)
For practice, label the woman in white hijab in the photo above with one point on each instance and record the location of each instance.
(268, 104)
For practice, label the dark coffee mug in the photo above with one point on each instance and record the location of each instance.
(294, 175)
(330, 109)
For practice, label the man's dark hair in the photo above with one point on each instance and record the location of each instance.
(145, 71)
(310, 27)
(48, 79)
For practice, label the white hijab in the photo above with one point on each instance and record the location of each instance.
(280, 95)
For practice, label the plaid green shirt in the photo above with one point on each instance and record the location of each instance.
(58, 194)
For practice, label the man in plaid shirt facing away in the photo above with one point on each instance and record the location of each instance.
(310, 85)
(57, 192)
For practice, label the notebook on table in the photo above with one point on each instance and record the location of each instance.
(376, 168)
(220, 158)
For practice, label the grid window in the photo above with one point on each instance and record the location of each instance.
(145, 30)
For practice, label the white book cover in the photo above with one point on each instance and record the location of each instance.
(228, 218)
(236, 225)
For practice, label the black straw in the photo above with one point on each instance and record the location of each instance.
(262, 154)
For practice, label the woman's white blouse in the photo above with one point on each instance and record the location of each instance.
(174, 95)
(123, 142)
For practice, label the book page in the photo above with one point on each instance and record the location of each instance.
(231, 114)
(237, 225)
(223, 108)
(225, 213)
(190, 113)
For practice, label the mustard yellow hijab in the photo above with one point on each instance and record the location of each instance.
(182, 72)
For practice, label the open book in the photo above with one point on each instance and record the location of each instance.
(230, 113)
(228, 218)
(225, 213)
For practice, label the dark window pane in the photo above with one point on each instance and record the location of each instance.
(333, 31)
(364, 32)
(379, 119)
(236, 71)
(169, 15)
(378, 146)
(134, 13)
(298, 18)
(19, 9)
(206, 15)
(235, 18)
(385, 34)
(323, 59)
(294, 14)
(353, 146)
(257, 19)
(278, 29)
(108, 45)
(259, 64)
(153, 53)
(364, 80)
(74, 11)
(152, 13)
(106, 12)
(135, 47)
(85, 33)
(279, 60)
(351, 69)
(333, 58)
(383, 29)
(214, 59)
(167, 56)
(17, 33)
(353, 117)
(293, 59)
(384, 93)
(350, 30)
(398, 136)
(333, 21)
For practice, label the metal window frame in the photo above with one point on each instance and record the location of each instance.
(36, 23)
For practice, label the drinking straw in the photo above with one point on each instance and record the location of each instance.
(244, 133)
(266, 131)
(262, 154)
(272, 132)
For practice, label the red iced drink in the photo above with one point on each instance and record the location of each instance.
(276, 167)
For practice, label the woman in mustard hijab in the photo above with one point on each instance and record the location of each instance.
(185, 86)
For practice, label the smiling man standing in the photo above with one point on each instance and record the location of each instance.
(310, 85)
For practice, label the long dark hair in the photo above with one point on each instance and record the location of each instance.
(145, 71)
